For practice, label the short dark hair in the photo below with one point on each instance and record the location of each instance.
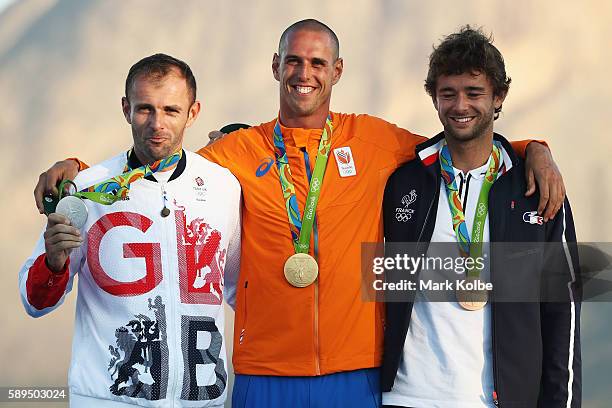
(158, 66)
(468, 50)
(310, 24)
(232, 127)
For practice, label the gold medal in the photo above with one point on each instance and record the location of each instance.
(472, 299)
(301, 270)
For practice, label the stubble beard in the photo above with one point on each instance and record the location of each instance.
(478, 131)
(301, 109)
(148, 154)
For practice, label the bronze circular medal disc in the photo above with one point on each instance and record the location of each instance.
(472, 305)
(472, 299)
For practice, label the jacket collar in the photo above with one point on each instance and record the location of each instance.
(428, 151)
(134, 163)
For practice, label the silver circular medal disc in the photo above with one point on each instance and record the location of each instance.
(301, 270)
(74, 209)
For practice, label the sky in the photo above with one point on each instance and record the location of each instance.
(5, 3)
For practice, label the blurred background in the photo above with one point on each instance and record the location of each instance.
(63, 66)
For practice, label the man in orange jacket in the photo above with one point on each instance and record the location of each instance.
(303, 335)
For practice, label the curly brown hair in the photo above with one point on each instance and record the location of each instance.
(469, 50)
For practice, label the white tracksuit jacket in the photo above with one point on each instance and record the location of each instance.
(149, 314)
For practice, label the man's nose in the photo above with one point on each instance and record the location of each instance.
(304, 72)
(461, 103)
(156, 120)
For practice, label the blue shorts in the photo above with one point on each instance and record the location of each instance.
(350, 389)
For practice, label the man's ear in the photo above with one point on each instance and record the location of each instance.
(276, 60)
(194, 111)
(435, 102)
(127, 109)
(338, 69)
(498, 100)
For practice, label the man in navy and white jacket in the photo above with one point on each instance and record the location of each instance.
(152, 269)
(523, 351)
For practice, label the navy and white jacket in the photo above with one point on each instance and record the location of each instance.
(536, 342)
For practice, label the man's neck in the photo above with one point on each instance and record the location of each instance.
(471, 154)
(314, 121)
(144, 159)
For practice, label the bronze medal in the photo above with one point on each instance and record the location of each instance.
(472, 305)
(472, 299)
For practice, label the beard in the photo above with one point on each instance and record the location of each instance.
(480, 129)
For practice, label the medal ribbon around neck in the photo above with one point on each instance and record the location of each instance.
(117, 188)
(467, 246)
(301, 228)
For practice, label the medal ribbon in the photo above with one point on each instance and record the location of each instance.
(301, 228)
(117, 188)
(467, 246)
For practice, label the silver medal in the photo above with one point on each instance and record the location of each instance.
(74, 209)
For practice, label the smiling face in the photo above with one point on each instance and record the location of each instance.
(159, 110)
(306, 69)
(466, 105)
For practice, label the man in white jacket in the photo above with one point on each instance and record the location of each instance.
(159, 247)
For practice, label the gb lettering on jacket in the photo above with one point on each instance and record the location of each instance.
(122, 237)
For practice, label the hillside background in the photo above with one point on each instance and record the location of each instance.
(63, 65)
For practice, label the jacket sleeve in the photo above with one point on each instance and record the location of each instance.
(560, 315)
(520, 146)
(231, 271)
(41, 290)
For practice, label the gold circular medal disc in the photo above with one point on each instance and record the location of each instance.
(301, 270)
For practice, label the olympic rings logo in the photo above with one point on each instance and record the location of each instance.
(404, 216)
(315, 184)
(482, 209)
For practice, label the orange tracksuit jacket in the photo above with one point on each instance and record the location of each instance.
(325, 327)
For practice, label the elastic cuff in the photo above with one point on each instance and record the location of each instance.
(82, 165)
(46, 267)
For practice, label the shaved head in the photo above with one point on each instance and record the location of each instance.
(309, 25)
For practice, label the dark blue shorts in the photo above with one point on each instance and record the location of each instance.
(350, 389)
